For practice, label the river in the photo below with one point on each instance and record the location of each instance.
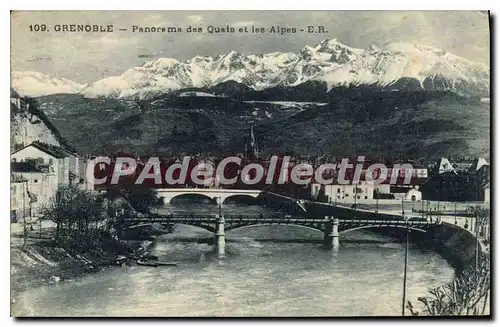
(259, 277)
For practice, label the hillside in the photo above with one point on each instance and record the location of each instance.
(347, 121)
(29, 124)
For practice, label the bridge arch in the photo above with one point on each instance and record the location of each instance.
(199, 196)
(381, 226)
(242, 198)
(207, 227)
(238, 227)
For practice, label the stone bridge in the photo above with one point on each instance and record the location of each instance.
(213, 194)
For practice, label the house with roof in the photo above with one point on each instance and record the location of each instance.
(445, 166)
(64, 164)
(41, 168)
(458, 180)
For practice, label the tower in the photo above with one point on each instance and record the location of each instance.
(251, 148)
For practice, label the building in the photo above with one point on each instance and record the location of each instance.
(65, 164)
(42, 168)
(445, 166)
(464, 181)
(407, 192)
(353, 193)
(19, 199)
(32, 187)
(396, 184)
(487, 194)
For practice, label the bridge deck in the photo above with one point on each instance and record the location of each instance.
(270, 220)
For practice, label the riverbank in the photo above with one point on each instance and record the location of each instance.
(272, 279)
(453, 242)
(191, 247)
(41, 262)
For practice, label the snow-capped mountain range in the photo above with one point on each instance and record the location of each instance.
(35, 84)
(330, 61)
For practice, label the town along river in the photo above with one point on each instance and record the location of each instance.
(258, 277)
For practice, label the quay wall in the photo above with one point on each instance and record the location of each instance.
(454, 243)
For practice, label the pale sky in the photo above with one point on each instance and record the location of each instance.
(87, 57)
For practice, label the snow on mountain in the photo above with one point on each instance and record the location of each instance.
(33, 84)
(198, 94)
(432, 68)
(258, 71)
(329, 61)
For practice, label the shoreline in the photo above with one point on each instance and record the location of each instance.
(42, 264)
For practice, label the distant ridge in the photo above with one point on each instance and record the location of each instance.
(329, 62)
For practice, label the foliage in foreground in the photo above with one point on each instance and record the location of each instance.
(140, 198)
(466, 295)
(84, 220)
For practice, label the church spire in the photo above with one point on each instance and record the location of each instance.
(251, 148)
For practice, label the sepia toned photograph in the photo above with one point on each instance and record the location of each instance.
(250, 164)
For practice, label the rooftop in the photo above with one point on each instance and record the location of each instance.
(53, 150)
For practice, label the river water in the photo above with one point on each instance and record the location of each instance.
(259, 277)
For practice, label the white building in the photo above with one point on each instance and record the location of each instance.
(31, 187)
(487, 194)
(364, 192)
(413, 195)
(358, 193)
(42, 168)
(58, 160)
(19, 199)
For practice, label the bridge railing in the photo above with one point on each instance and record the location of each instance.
(270, 219)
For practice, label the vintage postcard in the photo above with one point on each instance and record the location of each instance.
(250, 163)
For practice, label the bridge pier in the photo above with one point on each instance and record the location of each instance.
(331, 235)
(328, 229)
(335, 234)
(220, 237)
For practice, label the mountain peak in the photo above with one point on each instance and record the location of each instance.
(161, 63)
(331, 42)
(328, 61)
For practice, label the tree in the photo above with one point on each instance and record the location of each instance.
(74, 210)
(140, 198)
(482, 217)
(466, 295)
